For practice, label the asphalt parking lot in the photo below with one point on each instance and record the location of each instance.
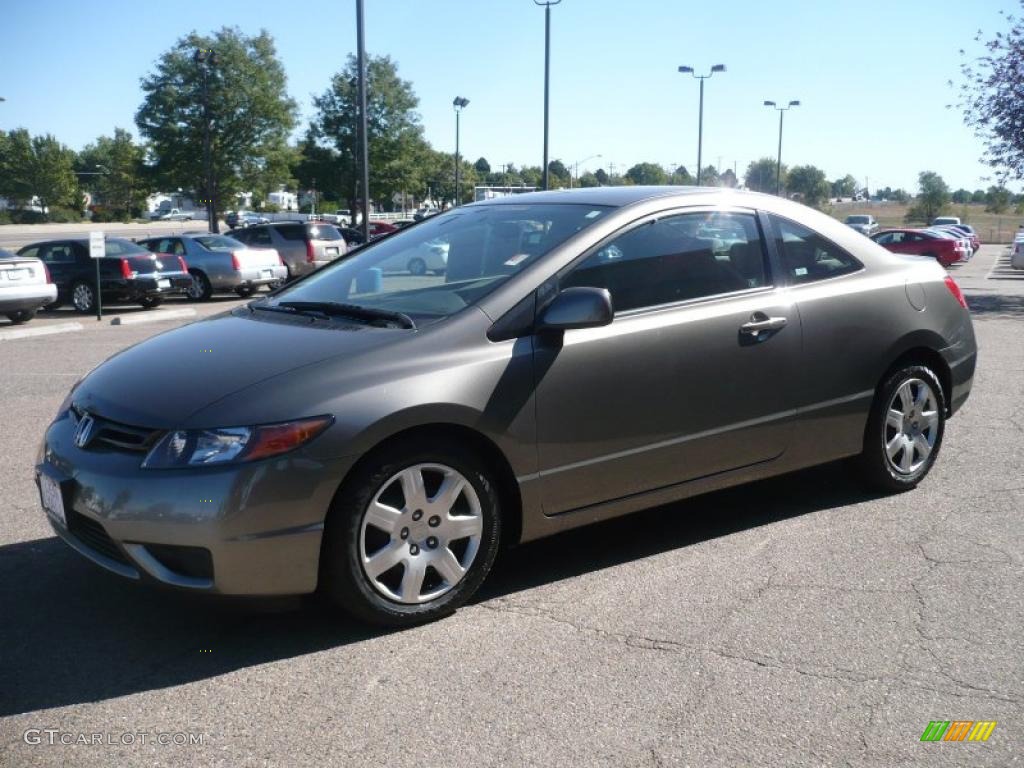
(796, 621)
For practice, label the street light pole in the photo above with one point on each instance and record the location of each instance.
(778, 163)
(363, 138)
(458, 103)
(206, 58)
(700, 118)
(547, 75)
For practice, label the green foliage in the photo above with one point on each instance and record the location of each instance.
(559, 176)
(760, 175)
(114, 169)
(647, 173)
(250, 111)
(997, 200)
(810, 183)
(961, 196)
(844, 187)
(482, 167)
(931, 200)
(709, 176)
(400, 158)
(602, 176)
(978, 196)
(589, 180)
(728, 179)
(37, 167)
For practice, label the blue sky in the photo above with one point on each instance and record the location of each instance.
(872, 76)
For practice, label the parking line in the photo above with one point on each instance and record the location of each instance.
(153, 317)
(43, 330)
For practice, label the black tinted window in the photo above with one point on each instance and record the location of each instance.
(322, 232)
(807, 256)
(58, 253)
(292, 231)
(677, 258)
(259, 236)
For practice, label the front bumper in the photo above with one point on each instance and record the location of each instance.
(27, 297)
(261, 523)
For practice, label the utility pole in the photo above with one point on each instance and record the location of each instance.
(547, 76)
(205, 58)
(363, 139)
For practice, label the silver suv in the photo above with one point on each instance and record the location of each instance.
(303, 246)
(863, 223)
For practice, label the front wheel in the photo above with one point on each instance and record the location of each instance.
(412, 535)
(904, 430)
(83, 297)
(417, 266)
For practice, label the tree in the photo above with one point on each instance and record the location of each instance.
(558, 174)
(602, 176)
(978, 196)
(810, 183)
(251, 115)
(400, 158)
(962, 196)
(482, 167)
(992, 99)
(40, 168)
(682, 177)
(932, 198)
(844, 187)
(588, 180)
(760, 175)
(113, 167)
(728, 179)
(900, 195)
(709, 177)
(647, 173)
(997, 200)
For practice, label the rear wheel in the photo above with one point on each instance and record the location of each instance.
(245, 292)
(200, 288)
(417, 266)
(412, 535)
(150, 302)
(21, 315)
(83, 297)
(904, 430)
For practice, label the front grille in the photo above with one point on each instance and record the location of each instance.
(92, 534)
(113, 434)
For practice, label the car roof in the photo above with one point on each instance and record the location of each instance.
(613, 196)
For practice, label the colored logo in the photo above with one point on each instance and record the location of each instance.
(958, 730)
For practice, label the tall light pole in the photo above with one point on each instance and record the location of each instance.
(364, 142)
(577, 166)
(459, 104)
(547, 74)
(700, 119)
(206, 58)
(778, 163)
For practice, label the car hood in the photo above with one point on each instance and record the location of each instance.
(160, 382)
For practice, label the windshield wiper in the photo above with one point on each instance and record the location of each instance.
(353, 311)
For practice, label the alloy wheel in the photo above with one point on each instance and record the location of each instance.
(82, 297)
(420, 533)
(911, 426)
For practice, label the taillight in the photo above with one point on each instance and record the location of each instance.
(235, 263)
(182, 264)
(46, 271)
(310, 253)
(281, 260)
(126, 269)
(955, 290)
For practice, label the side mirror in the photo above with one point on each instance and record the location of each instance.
(578, 308)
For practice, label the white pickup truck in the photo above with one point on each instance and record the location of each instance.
(176, 214)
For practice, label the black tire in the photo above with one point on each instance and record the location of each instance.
(200, 290)
(245, 292)
(21, 316)
(342, 578)
(417, 266)
(151, 302)
(876, 468)
(83, 297)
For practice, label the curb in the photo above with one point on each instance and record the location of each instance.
(45, 330)
(152, 317)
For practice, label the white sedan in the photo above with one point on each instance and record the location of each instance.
(431, 256)
(25, 286)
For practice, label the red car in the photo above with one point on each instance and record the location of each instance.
(378, 228)
(946, 250)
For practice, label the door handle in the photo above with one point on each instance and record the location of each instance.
(755, 327)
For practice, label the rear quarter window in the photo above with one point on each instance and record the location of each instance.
(292, 231)
(808, 256)
(322, 232)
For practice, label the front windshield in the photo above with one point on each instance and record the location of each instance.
(219, 243)
(448, 262)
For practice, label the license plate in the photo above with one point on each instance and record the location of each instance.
(163, 283)
(15, 274)
(53, 501)
(266, 273)
(331, 251)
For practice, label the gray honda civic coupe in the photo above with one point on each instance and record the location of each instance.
(585, 354)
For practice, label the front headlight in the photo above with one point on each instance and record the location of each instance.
(206, 447)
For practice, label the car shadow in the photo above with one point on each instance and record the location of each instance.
(72, 633)
(995, 305)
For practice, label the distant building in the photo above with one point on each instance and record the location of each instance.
(286, 201)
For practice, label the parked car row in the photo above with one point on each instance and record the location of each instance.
(943, 246)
